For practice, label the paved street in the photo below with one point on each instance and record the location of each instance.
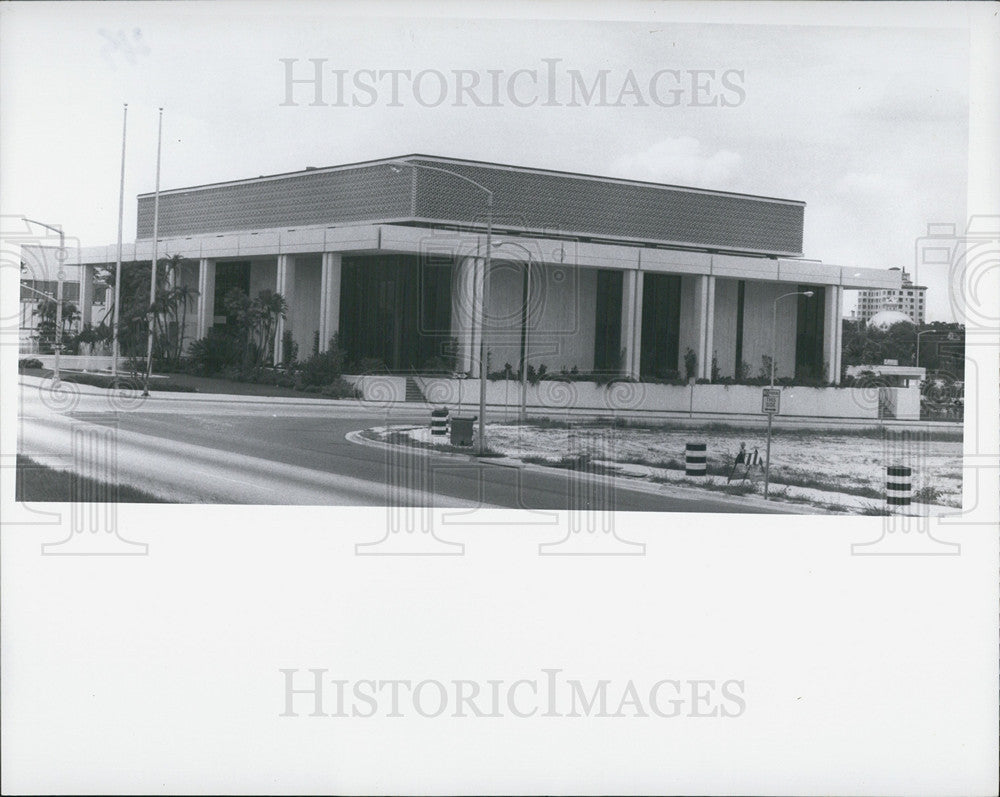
(189, 449)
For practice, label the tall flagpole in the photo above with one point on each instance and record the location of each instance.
(118, 259)
(152, 276)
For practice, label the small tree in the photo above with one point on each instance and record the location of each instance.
(324, 367)
(690, 364)
(765, 367)
(256, 320)
(46, 310)
(289, 349)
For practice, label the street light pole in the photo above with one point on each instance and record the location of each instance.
(60, 276)
(399, 166)
(118, 256)
(918, 344)
(152, 273)
(774, 352)
(524, 325)
(483, 368)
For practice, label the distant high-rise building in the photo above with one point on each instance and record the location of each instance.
(909, 299)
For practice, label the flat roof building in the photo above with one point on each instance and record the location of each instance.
(907, 298)
(626, 277)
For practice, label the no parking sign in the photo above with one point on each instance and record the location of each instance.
(770, 401)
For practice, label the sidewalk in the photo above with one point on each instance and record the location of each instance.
(550, 447)
(504, 413)
(218, 398)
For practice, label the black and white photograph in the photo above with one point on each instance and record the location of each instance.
(562, 398)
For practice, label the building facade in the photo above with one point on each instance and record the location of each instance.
(38, 282)
(908, 299)
(589, 273)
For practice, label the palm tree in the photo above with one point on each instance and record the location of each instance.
(184, 295)
(271, 306)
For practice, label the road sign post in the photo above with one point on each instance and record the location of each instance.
(770, 404)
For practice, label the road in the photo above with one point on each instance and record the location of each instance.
(256, 451)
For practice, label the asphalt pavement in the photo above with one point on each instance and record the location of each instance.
(254, 451)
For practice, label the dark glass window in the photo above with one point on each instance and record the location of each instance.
(71, 290)
(741, 290)
(661, 313)
(608, 322)
(809, 333)
(235, 274)
(395, 311)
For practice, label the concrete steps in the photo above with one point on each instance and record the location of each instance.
(413, 391)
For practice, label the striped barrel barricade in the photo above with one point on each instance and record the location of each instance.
(898, 485)
(695, 459)
(439, 422)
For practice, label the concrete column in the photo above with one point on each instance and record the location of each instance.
(706, 361)
(838, 358)
(632, 321)
(696, 323)
(285, 285)
(466, 308)
(206, 296)
(832, 332)
(86, 294)
(329, 298)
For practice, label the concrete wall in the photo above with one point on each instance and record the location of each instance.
(561, 319)
(628, 396)
(724, 343)
(384, 390)
(689, 330)
(758, 308)
(503, 316)
(263, 275)
(902, 403)
(308, 271)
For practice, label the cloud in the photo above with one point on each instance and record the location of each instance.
(870, 187)
(682, 161)
(904, 102)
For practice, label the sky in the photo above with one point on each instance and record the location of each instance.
(866, 124)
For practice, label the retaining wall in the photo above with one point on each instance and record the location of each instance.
(639, 396)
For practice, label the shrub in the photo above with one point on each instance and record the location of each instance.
(928, 494)
(107, 381)
(29, 362)
(232, 373)
(436, 365)
(608, 378)
(340, 388)
(670, 378)
(217, 352)
(690, 363)
(371, 365)
(289, 349)
(536, 375)
(507, 373)
(324, 367)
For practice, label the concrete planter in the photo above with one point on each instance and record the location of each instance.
(644, 397)
(376, 388)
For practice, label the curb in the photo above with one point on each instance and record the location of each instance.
(620, 481)
(538, 411)
(224, 398)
